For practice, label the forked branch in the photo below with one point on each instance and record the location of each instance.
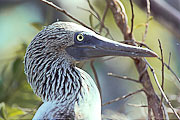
(152, 98)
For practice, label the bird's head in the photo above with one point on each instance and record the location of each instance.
(81, 43)
(59, 46)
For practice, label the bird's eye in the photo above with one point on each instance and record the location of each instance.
(80, 37)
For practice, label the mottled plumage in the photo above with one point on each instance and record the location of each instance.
(68, 92)
(52, 74)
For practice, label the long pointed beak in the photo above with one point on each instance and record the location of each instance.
(95, 46)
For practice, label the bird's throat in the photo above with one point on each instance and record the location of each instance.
(53, 79)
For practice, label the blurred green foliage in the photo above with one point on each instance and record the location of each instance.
(14, 90)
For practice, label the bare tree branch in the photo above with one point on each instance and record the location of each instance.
(66, 13)
(135, 105)
(161, 90)
(92, 8)
(165, 112)
(120, 17)
(147, 21)
(171, 70)
(103, 18)
(123, 97)
(162, 61)
(167, 65)
(96, 77)
(152, 98)
(123, 77)
(101, 22)
(132, 18)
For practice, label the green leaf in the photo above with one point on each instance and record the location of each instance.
(150, 18)
(143, 24)
(139, 25)
(3, 112)
(14, 112)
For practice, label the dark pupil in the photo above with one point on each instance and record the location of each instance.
(80, 37)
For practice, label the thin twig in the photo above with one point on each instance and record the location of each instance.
(142, 44)
(123, 97)
(147, 21)
(162, 84)
(101, 22)
(123, 77)
(162, 92)
(143, 71)
(165, 112)
(66, 13)
(109, 58)
(108, 33)
(171, 112)
(96, 77)
(132, 18)
(90, 16)
(169, 61)
(135, 105)
(145, 106)
(103, 18)
(88, 11)
(171, 70)
(162, 61)
(167, 65)
(92, 8)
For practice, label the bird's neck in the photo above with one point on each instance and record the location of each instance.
(75, 94)
(56, 79)
(61, 86)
